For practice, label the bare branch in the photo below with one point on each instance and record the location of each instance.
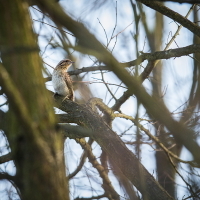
(180, 1)
(53, 27)
(173, 15)
(178, 52)
(5, 158)
(158, 55)
(113, 146)
(111, 193)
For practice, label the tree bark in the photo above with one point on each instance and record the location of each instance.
(36, 148)
(119, 154)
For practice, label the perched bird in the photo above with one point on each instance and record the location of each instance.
(61, 80)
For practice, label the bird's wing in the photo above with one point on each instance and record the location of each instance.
(68, 82)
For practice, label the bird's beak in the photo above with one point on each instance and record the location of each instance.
(72, 62)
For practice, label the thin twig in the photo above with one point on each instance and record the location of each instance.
(114, 26)
(147, 132)
(103, 30)
(122, 30)
(54, 27)
(108, 87)
(39, 11)
(48, 65)
(172, 163)
(91, 82)
(178, 30)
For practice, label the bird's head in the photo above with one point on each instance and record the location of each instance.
(64, 64)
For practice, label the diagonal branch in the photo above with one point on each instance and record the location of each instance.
(158, 55)
(173, 15)
(115, 149)
(151, 64)
(112, 194)
(5, 158)
(181, 1)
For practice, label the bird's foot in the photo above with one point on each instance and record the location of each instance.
(65, 98)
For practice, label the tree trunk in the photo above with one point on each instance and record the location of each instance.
(36, 147)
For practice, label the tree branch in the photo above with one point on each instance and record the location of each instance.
(5, 158)
(111, 193)
(158, 55)
(181, 1)
(173, 15)
(151, 64)
(115, 149)
(74, 132)
(7, 177)
(155, 139)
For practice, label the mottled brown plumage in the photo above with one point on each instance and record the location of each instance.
(61, 80)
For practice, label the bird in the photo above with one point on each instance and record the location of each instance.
(61, 80)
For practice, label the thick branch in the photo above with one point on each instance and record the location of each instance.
(75, 131)
(115, 149)
(173, 15)
(181, 1)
